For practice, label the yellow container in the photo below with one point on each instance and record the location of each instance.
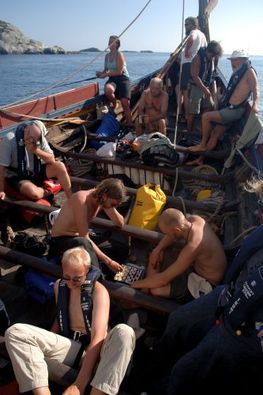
(203, 194)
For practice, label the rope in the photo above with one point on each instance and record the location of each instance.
(258, 172)
(245, 232)
(248, 163)
(179, 83)
(78, 70)
(175, 181)
(183, 204)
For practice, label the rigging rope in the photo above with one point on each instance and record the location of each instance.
(179, 83)
(80, 69)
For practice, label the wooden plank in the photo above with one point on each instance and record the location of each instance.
(116, 290)
(172, 201)
(184, 174)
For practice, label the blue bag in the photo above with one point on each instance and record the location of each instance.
(109, 127)
(39, 286)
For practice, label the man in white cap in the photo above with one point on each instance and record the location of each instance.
(233, 104)
(26, 159)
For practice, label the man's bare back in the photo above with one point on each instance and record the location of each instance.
(66, 224)
(203, 253)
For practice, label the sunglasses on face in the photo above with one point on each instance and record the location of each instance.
(75, 280)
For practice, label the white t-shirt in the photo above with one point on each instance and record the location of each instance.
(199, 40)
(8, 153)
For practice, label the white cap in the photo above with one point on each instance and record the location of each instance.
(238, 53)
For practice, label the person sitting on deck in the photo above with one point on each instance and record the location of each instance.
(78, 337)
(203, 88)
(26, 159)
(199, 266)
(233, 104)
(71, 227)
(152, 110)
(217, 340)
(118, 84)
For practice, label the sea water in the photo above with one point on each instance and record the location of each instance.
(23, 75)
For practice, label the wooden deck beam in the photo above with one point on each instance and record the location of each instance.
(116, 290)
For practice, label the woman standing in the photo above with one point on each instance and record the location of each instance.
(118, 84)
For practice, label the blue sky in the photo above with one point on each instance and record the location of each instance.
(80, 24)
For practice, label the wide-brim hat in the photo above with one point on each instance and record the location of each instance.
(239, 53)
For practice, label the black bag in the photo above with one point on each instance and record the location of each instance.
(4, 318)
(160, 155)
(32, 245)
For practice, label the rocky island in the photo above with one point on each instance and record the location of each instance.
(13, 41)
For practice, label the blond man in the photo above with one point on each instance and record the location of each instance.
(34, 351)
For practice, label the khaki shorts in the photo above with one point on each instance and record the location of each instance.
(197, 100)
(230, 114)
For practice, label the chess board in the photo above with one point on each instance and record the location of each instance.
(130, 273)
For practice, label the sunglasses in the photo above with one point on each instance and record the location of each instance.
(75, 280)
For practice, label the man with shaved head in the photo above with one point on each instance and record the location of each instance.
(26, 159)
(152, 109)
(199, 266)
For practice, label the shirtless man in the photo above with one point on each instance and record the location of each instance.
(202, 258)
(71, 227)
(234, 105)
(34, 351)
(152, 109)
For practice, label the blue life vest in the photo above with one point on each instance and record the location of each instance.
(232, 84)
(238, 304)
(205, 72)
(86, 302)
(21, 154)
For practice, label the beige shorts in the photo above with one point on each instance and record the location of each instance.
(34, 352)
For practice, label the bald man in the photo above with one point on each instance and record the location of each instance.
(199, 266)
(26, 159)
(152, 111)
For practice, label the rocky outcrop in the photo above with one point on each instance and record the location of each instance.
(92, 49)
(13, 41)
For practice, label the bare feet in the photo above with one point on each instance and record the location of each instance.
(196, 162)
(197, 148)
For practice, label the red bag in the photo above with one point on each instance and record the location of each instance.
(9, 388)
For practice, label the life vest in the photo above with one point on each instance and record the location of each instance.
(232, 84)
(206, 67)
(22, 158)
(239, 304)
(85, 299)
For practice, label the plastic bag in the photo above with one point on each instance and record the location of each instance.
(150, 201)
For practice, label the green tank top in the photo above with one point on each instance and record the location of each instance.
(112, 66)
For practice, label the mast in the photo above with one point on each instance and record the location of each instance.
(205, 8)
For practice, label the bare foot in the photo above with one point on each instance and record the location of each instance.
(197, 148)
(196, 162)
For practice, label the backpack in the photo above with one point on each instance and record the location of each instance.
(33, 245)
(161, 155)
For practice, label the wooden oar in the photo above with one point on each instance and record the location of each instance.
(172, 59)
(74, 120)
